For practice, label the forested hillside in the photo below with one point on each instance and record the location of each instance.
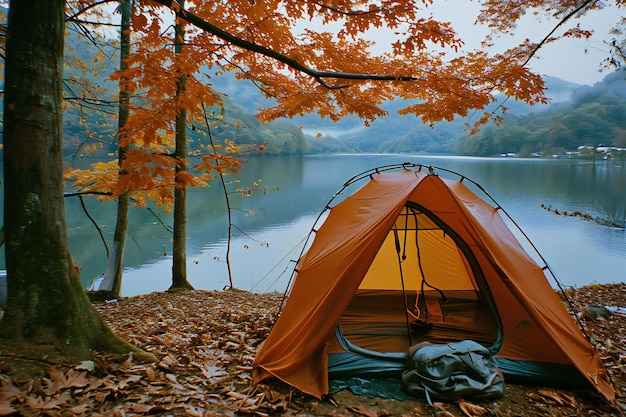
(576, 116)
(593, 117)
(390, 134)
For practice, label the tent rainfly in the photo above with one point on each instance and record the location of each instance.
(411, 257)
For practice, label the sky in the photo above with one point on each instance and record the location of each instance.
(574, 60)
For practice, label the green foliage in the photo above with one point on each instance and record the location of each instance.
(594, 116)
(242, 128)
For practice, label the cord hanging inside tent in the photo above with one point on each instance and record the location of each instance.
(421, 268)
(406, 228)
(406, 305)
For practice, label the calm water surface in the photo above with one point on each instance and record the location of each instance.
(288, 194)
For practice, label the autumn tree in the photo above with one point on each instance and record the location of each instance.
(335, 74)
(162, 84)
(47, 307)
(331, 72)
(93, 102)
(151, 158)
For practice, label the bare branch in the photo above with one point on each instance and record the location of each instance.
(558, 25)
(91, 6)
(93, 221)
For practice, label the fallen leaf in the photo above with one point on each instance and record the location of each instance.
(126, 383)
(558, 396)
(440, 406)
(570, 399)
(6, 409)
(534, 396)
(362, 410)
(273, 396)
(75, 379)
(472, 410)
(189, 330)
(8, 391)
(139, 408)
(171, 378)
(80, 409)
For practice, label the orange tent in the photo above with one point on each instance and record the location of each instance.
(410, 257)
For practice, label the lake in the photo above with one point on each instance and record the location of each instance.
(287, 194)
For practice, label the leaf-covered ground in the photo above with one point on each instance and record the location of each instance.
(206, 342)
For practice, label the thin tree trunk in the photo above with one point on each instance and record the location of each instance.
(47, 305)
(179, 251)
(112, 282)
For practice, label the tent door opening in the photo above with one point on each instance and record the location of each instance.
(423, 285)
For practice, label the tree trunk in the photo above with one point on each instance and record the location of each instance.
(111, 285)
(47, 305)
(179, 251)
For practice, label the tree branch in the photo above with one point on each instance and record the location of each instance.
(250, 46)
(75, 15)
(558, 25)
(93, 221)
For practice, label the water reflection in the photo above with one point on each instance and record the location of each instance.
(287, 195)
(259, 265)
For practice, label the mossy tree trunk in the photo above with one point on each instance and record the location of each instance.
(46, 301)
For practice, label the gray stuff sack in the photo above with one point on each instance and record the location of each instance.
(449, 372)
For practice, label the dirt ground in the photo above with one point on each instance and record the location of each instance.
(206, 342)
